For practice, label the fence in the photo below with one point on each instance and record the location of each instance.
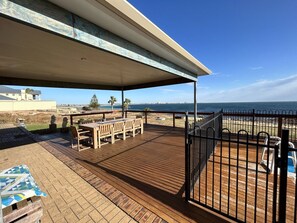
(225, 172)
(253, 121)
(256, 121)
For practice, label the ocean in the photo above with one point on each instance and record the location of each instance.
(213, 107)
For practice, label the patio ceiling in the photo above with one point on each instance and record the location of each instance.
(54, 51)
(30, 56)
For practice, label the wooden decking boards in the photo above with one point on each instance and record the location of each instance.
(148, 169)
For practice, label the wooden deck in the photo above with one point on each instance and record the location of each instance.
(148, 168)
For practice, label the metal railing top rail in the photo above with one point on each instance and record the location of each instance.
(226, 139)
(171, 112)
(258, 113)
(262, 113)
(93, 113)
(208, 119)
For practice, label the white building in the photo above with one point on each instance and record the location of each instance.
(22, 100)
(8, 93)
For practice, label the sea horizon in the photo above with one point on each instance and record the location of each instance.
(212, 107)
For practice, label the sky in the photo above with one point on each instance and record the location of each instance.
(250, 46)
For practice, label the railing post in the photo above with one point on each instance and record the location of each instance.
(283, 176)
(145, 116)
(253, 124)
(104, 116)
(220, 124)
(126, 114)
(173, 117)
(279, 126)
(71, 120)
(187, 158)
(275, 182)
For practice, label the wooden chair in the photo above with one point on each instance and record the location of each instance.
(129, 128)
(138, 125)
(118, 129)
(79, 135)
(104, 132)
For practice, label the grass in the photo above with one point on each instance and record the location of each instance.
(39, 126)
(36, 126)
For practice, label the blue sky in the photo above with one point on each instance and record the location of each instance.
(251, 47)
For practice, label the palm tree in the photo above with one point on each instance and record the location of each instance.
(126, 103)
(112, 101)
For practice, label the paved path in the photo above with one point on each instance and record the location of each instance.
(70, 198)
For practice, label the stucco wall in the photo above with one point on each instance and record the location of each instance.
(27, 105)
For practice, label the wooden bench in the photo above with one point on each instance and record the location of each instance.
(28, 210)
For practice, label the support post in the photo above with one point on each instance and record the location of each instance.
(71, 120)
(123, 108)
(173, 117)
(187, 159)
(283, 176)
(145, 117)
(195, 101)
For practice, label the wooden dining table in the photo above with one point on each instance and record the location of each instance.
(94, 127)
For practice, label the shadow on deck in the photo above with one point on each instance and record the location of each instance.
(148, 168)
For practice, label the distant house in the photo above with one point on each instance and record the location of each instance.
(7, 93)
(23, 100)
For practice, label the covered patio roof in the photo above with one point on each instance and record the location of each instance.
(88, 44)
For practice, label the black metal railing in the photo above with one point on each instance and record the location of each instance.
(256, 121)
(253, 121)
(225, 172)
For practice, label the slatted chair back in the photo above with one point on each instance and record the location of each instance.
(73, 131)
(137, 123)
(118, 127)
(105, 129)
(129, 124)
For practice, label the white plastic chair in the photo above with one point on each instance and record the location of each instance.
(293, 156)
(273, 141)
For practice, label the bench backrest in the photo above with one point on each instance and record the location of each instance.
(118, 126)
(105, 129)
